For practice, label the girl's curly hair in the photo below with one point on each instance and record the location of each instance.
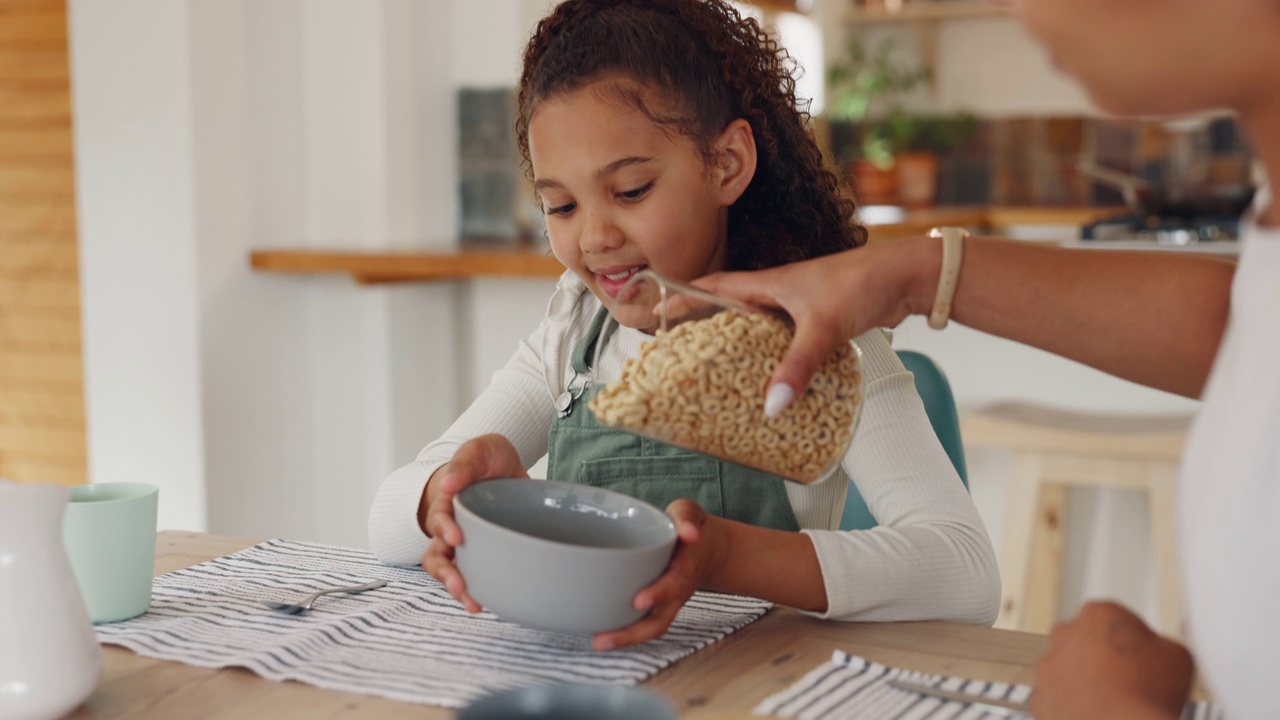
(711, 66)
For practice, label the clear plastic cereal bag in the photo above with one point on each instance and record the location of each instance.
(700, 383)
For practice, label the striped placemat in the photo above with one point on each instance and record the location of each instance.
(852, 687)
(409, 640)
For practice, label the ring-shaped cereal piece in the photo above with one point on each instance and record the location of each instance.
(766, 439)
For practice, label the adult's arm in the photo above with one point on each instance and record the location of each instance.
(1152, 317)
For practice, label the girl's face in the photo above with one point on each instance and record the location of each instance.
(1159, 57)
(622, 193)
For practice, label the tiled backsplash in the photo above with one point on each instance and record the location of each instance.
(1030, 161)
(1034, 160)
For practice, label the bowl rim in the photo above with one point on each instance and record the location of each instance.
(460, 505)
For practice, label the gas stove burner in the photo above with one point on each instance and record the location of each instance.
(1170, 230)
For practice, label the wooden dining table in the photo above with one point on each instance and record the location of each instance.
(723, 681)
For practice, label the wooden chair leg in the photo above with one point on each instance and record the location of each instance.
(1162, 493)
(1044, 576)
(1019, 526)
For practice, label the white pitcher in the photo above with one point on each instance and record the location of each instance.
(49, 658)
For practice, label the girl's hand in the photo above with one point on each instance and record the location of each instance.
(487, 457)
(698, 554)
(1107, 663)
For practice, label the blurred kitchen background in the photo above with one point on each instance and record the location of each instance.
(149, 147)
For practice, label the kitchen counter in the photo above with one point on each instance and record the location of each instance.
(990, 220)
(528, 260)
(1224, 248)
(508, 259)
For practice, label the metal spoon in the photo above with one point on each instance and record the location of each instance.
(305, 605)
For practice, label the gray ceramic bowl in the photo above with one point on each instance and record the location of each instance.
(559, 556)
(569, 702)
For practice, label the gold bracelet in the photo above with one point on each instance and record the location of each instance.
(952, 253)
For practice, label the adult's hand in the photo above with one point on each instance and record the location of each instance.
(833, 299)
(1105, 663)
(1094, 308)
(487, 457)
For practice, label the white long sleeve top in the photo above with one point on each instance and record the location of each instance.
(929, 557)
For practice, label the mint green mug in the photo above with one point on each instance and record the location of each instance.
(110, 533)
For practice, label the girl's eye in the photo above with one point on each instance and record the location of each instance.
(561, 209)
(637, 193)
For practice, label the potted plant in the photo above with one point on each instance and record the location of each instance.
(918, 141)
(866, 88)
(893, 157)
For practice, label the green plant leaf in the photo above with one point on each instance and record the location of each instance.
(869, 87)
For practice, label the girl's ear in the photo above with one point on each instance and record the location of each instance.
(735, 160)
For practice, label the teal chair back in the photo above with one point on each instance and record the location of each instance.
(940, 406)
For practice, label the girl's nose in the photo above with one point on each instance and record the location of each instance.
(599, 234)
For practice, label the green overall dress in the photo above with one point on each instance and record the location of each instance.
(583, 450)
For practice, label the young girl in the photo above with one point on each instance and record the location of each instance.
(1187, 324)
(665, 135)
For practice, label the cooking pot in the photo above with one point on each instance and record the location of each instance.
(1184, 184)
(1149, 199)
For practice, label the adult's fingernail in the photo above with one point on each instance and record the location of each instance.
(777, 399)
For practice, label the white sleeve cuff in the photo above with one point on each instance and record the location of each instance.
(394, 534)
(835, 576)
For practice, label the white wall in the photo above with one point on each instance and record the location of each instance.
(263, 405)
(993, 67)
(988, 65)
(135, 187)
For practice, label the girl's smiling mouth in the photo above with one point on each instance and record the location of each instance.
(613, 278)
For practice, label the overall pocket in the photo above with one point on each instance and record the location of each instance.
(659, 480)
(726, 490)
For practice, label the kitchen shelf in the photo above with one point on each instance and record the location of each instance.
(384, 266)
(523, 260)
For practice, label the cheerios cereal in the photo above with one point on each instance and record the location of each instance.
(701, 385)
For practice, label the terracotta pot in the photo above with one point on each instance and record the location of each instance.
(917, 178)
(872, 185)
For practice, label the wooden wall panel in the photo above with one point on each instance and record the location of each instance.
(42, 424)
(25, 66)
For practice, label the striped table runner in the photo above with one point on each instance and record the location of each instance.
(852, 687)
(408, 641)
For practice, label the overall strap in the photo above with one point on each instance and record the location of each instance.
(584, 352)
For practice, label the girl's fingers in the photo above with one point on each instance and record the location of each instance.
(440, 522)
(677, 584)
(667, 595)
(486, 457)
(438, 563)
(454, 480)
(647, 628)
(470, 604)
